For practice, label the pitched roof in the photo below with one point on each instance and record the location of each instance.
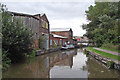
(22, 14)
(59, 29)
(43, 16)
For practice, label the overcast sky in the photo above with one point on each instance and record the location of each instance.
(60, 14)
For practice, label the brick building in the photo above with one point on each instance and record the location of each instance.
(64, 32)
(44, 29)
(39, 25)
(57, 40)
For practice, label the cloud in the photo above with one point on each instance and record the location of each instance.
(60, 14)
(75, 24)
(49, 0)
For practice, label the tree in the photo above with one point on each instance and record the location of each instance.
(16, 38)
(103, 26)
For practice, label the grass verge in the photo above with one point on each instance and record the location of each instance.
(108, 55)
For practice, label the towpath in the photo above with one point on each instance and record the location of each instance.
(111, 52)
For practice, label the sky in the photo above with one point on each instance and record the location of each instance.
(61, 14)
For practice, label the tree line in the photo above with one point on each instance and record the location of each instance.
(104, 22)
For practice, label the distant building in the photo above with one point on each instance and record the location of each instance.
(85, 39)
(81, 38)
(39, 24)
(57, 40)
(78, 38)
(65, 32)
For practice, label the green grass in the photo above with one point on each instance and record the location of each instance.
(108, 55)
(109, 49)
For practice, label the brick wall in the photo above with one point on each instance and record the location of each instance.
(54, 39)
(68, 34)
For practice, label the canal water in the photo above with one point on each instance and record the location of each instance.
(62, 64)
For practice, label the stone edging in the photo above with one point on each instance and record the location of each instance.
(42, 52)
(110, 63)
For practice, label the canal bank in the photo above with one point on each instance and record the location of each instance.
(43, 52)
(51, 50)
(110, 63)
(61, 64)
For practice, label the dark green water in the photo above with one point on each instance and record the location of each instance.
(62, 64)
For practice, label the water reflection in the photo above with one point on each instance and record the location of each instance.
(63, 59)
(70, 65)
(62, 64)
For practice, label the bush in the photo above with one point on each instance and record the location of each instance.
(111, 46)
(32, 54)
(16, 38)
(110, 64)
(5, 60)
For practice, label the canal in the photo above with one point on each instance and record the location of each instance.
(62, 64)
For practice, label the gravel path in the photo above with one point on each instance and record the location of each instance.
(111, 52)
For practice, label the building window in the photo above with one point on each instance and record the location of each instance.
(50, 42)
(63, 42)
(56, 41)
(60, 42)
(44, 24)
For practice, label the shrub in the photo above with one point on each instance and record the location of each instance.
(110, 64)
(5, 60)
(111, 46)
(16, 38)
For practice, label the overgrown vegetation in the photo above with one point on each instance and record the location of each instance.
(110, 64)
(55, 45)
(104, 20)
(32, 54)
(110, 47)
(108, 55)
(41, 42)
(5, 60)
(16, 39)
